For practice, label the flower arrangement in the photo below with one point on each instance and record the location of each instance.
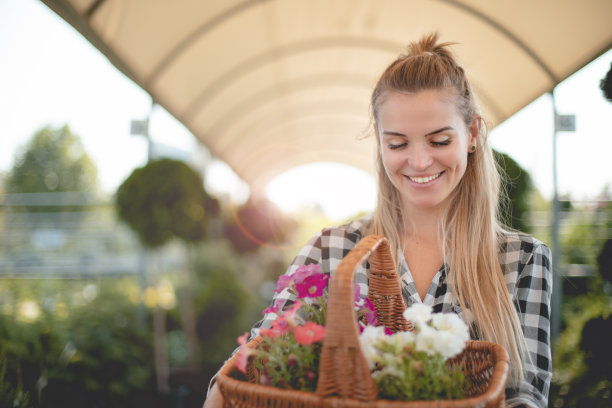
(288, 356)
(412, 365)
(405, 365)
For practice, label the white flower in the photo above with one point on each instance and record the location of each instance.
(426, 340)
(399, 341)
(418, 313)
(368, 339)
(451, 323)
(405, 338)
(371, 355)
(371, 334)
(448, 345)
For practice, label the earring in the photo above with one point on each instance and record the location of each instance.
(473, 149)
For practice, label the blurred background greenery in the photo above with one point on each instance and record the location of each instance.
(138, 300)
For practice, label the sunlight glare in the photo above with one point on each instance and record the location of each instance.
(220, 180)
(340, 191)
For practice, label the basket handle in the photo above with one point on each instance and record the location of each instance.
(343, 370)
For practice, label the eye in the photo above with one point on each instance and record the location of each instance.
(441, 142)
(397, 146)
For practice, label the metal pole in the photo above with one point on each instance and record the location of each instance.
(141, 128)
(557, 295)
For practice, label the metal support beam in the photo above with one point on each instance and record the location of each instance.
(557, 296)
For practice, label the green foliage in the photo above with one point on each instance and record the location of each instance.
(11, 396)
(574, 383)
(425, 378)
(586, 235)
(225, 307)
(223, 304)
(89, 345)
(84, 346)
(287, 364)
(580, 241)
(165, 199)
(53, 161)
(108, 345)
(516, 192)
(581, 353)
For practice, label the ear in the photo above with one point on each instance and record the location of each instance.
(474, 131)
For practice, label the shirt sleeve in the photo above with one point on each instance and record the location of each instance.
(532, 298)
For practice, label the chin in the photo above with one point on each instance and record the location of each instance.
(425, 204)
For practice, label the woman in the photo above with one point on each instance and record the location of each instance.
(437, 206)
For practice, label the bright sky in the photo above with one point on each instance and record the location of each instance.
(49, 74)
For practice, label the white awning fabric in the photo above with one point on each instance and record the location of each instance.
(268, 85)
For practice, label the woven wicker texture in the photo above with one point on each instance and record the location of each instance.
(344, 376)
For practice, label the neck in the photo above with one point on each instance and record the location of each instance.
(422, 222)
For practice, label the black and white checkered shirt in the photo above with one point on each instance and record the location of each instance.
(526, 265)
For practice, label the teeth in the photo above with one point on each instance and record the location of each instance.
(422, 180)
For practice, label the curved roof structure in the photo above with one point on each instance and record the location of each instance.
(268, 85)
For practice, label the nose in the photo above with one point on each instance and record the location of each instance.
(420, 158)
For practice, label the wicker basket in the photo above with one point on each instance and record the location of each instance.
(344, 376)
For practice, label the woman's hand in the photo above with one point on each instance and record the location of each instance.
(214, 398)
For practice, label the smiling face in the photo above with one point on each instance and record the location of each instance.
(424, 145)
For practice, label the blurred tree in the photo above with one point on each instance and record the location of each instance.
(604, 260)
(54, 160)
(582, 241)
(162, 200)
(165, 199)
(594, 342)
(516, 192)
(588, 231)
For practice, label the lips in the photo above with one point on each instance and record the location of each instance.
(426, 179)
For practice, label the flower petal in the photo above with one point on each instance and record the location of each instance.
(309, 333)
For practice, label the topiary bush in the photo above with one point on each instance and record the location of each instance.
(165, 199)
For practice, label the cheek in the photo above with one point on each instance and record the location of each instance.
(459, 162)
(391, 161)
(455, 158)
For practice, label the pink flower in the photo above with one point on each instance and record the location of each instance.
(243, 353)
(357, 295)
(242, 340)
(282, 282)
(370, 313)
(296, 278)
(309, 333)
(243, 359)
(284, 322)
(278, 327)
(312, 286)
(309, 269)
(271, 333)
(275, 308)
(289, 315)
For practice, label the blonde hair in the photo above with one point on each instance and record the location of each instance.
(470, 230)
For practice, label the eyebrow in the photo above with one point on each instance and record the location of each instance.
(435, 132)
